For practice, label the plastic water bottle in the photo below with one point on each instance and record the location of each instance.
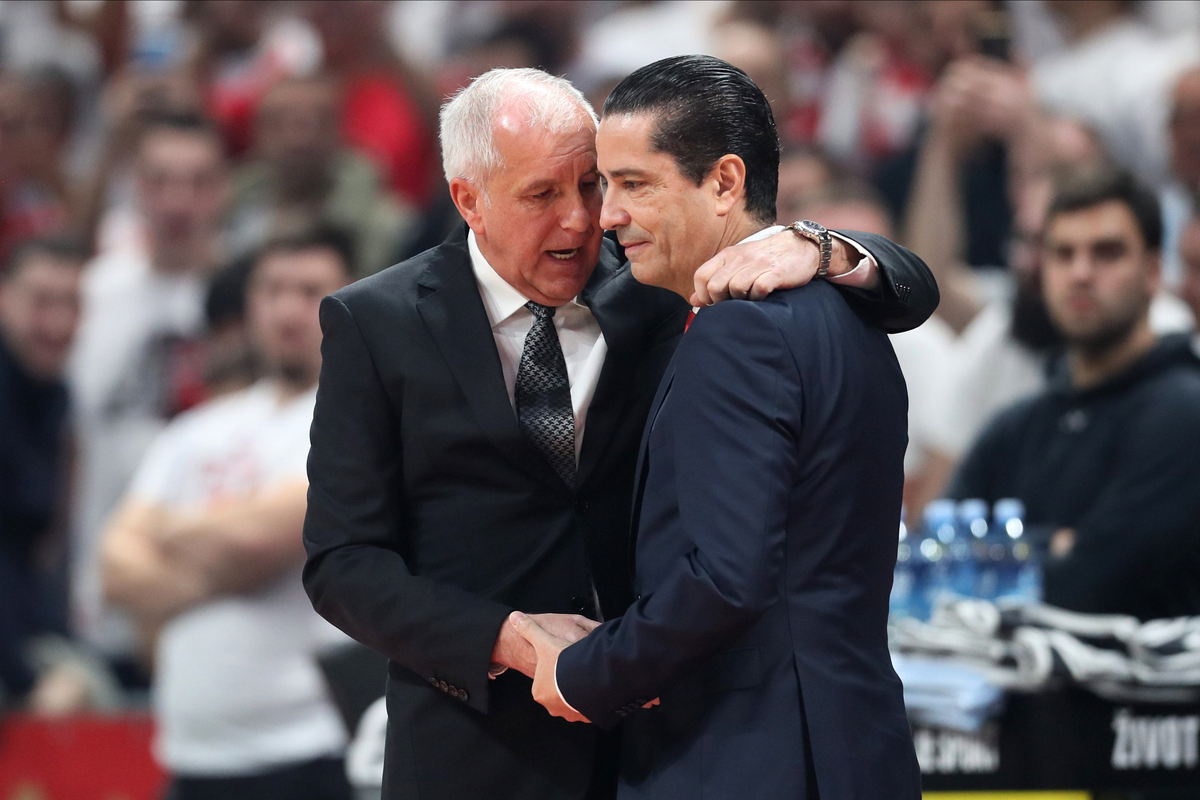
(934, 561)
(970, 526)
(901, 598)
(1020, 571)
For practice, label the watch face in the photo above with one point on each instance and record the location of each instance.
(814, 227)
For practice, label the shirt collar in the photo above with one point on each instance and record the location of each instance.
(500, 299)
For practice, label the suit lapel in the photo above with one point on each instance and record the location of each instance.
(623, 335)
(454, 313)
(639, 476)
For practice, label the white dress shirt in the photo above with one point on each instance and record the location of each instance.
(579, 335)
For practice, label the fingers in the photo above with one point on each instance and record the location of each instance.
(764, 284)
(652, 703)
(703, 276)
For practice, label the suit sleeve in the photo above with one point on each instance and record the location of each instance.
(355, 534)
(736, 386)
(907, 294)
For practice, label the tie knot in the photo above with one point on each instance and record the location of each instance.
(540, 311)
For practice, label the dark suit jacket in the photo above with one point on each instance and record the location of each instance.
(430, 516)
(771, 474)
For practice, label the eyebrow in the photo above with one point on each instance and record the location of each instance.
(626, 172)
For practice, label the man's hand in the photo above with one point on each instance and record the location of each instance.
(547, 647)
(512, 650)
(755, 269)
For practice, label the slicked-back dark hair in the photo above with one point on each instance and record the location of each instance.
(1086, 187)
(706, 108)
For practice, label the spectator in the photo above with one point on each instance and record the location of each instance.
(1105, 458)
(303, 176)
(138, 360)
(39, 312)
(1178, 197)
(1190, 257)
(923, 353)
(804, 175)
(35, 120)
(242, 51)
(1116, 75)
(384, 111)
(205, 553)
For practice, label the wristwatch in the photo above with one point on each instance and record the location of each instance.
(816, 233)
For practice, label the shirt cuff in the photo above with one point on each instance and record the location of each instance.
(560, 694)
(860, 274)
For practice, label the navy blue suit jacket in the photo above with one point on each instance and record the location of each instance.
(770, 480)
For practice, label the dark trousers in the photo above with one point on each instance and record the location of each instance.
(322, 779)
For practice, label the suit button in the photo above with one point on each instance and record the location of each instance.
(620, 712)
(462, 695)
(433, 681)
(442, 685)
(580, 604)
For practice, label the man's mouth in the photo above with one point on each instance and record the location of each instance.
(564, 255)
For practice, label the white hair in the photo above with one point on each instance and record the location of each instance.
(468, 118)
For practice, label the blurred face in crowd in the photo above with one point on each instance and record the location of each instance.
(31, 134)
(1098, 274)
(348, 28)
(852, 215)
(283, 302)
(802, 177)
(298, 135)
(536, 217)
(668, 225)
(1189, 250)
(184, 187)
(39, 312)
(1185, 130)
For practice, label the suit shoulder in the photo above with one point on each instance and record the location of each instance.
(394, 287)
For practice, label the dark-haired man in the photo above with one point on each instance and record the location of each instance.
(137, 359)
(39, 311)
(769, 489)
(205, 553)
(1105, 458)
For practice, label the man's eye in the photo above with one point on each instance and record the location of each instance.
(589, 186)
(542, 195)
(631, 185)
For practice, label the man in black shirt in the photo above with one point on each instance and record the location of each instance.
(1107, 457)
(39, 312)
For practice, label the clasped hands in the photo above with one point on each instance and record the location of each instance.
(531, 644)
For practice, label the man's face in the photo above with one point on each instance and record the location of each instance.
(1185, 130)
(297, 132)
(1098, 276)
(183, 185)
(1189, 251)
(283, 308)
(667, 223)
(39, 313)
(538, 224)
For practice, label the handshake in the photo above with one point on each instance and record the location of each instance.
(531, 644)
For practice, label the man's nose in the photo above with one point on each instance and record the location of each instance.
(612, 215)
(576, 216)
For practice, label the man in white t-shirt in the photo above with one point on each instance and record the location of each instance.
(205, 554)
(137, 358)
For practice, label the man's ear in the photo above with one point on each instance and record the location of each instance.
(469, 200)
(729, 182)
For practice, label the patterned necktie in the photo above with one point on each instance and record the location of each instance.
(543, 394)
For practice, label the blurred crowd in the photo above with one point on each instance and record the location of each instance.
(167, 167)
